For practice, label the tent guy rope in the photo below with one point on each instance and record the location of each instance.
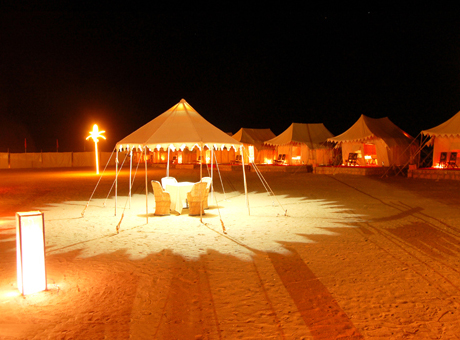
(127, 199)
(97, 184)
(265, 184)
(113, 183)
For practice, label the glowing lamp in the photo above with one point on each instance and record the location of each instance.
(95, 134)
(30, 251)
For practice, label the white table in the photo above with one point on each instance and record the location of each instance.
(178, 192)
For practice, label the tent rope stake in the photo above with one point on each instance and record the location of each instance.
(119, 223)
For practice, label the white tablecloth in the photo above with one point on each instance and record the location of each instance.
(178, 192)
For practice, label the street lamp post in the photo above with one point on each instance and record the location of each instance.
(95, 134)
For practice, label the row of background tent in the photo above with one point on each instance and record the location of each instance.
(375, 141)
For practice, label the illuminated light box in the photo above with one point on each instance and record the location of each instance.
(30, 251)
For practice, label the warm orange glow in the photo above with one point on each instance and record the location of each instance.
(95, 134)
(268, 161)
(30, 252)
(251, 153)
(406, 134)
(297, 157)
(180, 159)
(163, 158)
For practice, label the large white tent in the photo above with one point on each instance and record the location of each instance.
(444, 137)
(304, 144)
(377, 141)
(179, 127)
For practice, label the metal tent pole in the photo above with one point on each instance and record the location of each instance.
(212, 177)
(116, 182)
(146, 189)
(167, 165)
(244, 177)
(130, 171)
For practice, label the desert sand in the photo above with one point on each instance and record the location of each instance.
(327, 257)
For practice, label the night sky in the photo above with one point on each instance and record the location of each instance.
(63, 71)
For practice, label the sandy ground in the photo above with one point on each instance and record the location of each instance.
(355, 258)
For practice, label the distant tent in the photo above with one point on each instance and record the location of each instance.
(253, 141)
(304, 144)
(377, 141)
(445, 137)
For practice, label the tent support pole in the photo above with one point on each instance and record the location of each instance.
(130, 171)
(201, 161)
(116, 182)
(212, 157)
(146, 189)
(167, 165)
(201, 179)
(244, 178)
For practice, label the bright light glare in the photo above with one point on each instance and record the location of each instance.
(95, 134)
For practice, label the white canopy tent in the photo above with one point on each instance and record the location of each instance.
(444, 137)
(179, 127)
(378, 138)
(307, 142)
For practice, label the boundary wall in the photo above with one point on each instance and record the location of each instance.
(54, 160)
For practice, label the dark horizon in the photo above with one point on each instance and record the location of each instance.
(62, 72)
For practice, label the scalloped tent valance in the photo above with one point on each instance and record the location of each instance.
(450, 128)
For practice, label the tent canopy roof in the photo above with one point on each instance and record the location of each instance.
(254, 137)
(367, 128)
(313, 135)
(180, 125)
(449, 128)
